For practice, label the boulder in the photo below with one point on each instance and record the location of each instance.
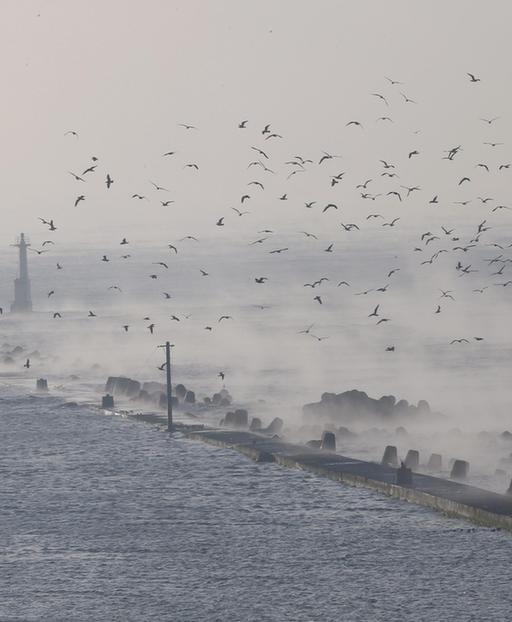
(314, 444)
(120, 385)
(42, 385)
(154, 387)
(236, 419)
(412, 459)
(256, 424)
(180, 391)
(390, 457)
(190, 397)
(460, 469)
(435, 462)
(328, 441)
(107, 401)
(275, 426)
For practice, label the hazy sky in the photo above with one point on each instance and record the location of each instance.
(123, 74)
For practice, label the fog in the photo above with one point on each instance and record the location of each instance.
(125, 75)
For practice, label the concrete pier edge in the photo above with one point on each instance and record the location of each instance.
(447, 507)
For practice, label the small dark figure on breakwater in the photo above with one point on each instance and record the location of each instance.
(404, 475)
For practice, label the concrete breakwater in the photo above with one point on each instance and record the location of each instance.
(452, 498)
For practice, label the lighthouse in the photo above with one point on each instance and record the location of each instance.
(22, 298)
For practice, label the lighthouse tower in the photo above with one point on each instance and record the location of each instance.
(22, 298)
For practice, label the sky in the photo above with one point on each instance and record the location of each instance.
(124, 74)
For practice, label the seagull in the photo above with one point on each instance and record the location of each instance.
(354, 123)
(242, 125)
(91, 314)
(27, 364)
(91, 169)
(79, 198)
(260, 151)
(77, 177)
(261, 279)
(126, 327)
(306, 331)
(188, 127)
(72, 132)
(203, 272)
(381, 97)
(151, 327)
(459, 341)
(375, 312)
(392, 223)
(56, 315)
(109, 181)
(51, 293)
(224, 317)
(318, 299)
(329, 248)
(327, 156)
(472, 78)
(157, 187)
(328, 206)
(220, 222)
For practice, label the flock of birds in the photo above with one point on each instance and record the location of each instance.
(384, 186)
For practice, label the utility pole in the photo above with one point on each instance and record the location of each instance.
(169, 388)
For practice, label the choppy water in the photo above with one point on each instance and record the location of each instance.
(107, 519)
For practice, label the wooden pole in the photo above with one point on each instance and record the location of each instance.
(169, 388)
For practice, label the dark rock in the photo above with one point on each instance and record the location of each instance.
(216, 399)
(190, 397)
(314, 444)
(120, 385)
(207, 400)
(435, 462)
(423, 407)
(401, 431)
(275, 427)
(107, 401)
(328, 441)
(356, 405)
(412, 459)
(224, 401)
(256, 424)
(180, 391)
(237, 419)
(154, 387)
(42, 385)
(390, 457)
(460, 469)
(507, 436)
